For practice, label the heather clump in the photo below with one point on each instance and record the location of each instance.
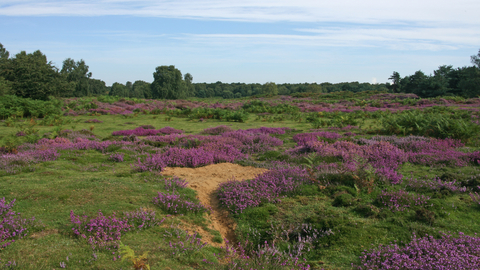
(399, 201)
(434, 184)
(117, 157)
(14, 163)
(12, 225)
(173, 203)
(174, 183)
(236, 196)
(382, 156)
(141, 131)
(152, 162)
(217, 130)
(181, 243)
(105, 232)
(303, 138)
(425, 253)
(265, 256)
(269, 130)
(253, 142)
(93, 121)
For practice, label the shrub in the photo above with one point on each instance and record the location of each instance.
(267, 187)
(105, 232)
(12, 225)
(400, 200)
(177, 204)
(426, 253)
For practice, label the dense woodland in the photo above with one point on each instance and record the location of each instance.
(31, 75)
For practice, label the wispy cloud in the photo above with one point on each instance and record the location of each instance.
(367, 11)
(416, 38)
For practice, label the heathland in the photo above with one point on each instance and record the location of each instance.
(368, 180)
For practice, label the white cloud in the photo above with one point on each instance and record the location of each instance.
(367, 11)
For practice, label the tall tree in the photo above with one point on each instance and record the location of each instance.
(77, 73)
(270, 89)
(119, 90)
(97, 87)
(395, 78)
(168, 83)
(5, 86)
(476, 59)
(190, 91)
(32, 76)
(141, 89)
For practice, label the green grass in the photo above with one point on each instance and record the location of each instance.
(86, 182)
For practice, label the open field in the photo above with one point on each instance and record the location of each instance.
(298, 183)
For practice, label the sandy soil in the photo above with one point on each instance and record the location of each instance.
(205, 180)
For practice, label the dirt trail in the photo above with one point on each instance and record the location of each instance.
(205, 180)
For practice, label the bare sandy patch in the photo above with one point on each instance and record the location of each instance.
(205, 180)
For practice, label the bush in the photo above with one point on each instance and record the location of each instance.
(426, 253)
(436, 125)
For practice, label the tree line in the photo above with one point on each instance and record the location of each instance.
(445, 81)
(31, 75)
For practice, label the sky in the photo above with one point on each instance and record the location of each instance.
(281, 41)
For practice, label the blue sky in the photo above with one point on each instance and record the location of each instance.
(247, 41)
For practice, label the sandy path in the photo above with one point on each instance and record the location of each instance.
(205, 181)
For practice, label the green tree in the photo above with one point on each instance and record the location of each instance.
(227, 94)
(5, 87)
(425, 86)
(97, 87)
(395, 78)
(168, 83)
(270, 89)
(190, 91)
(32, 76)
(119, 90)
(476, 59)
(469, 83)
(314, 88)
(141, 89)
(77, 73)
(201, 90)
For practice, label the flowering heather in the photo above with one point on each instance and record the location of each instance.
(174, 183)
(268, 256)
(269, 130)
(303, 138)
(475, 197)
(434, 184)
(78, 144)
(267, 187)
(167, 139)
(117, 157)
(105, 232)
(13, 163)
(142, 219)
(93, 121)
(140, 131)
(392, 139)
(177, 204)
(426, 253)
(186, 244)
(217, 130)
(254, 143)
(12, 225)
(151, 163)
(400, 200)
(100, 232)
(45, 155)
(382, 156)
